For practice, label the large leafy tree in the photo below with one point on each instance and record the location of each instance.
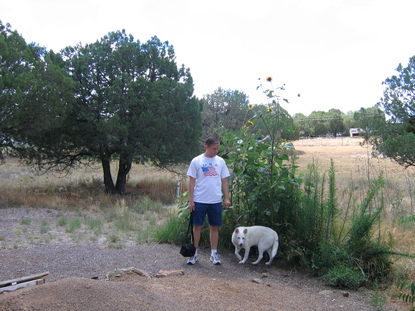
(318, 123)
(369, 118)
(35, 92)
(395, 136)
(132, 103)
(302, 124)
(284, 124)
(335, 122)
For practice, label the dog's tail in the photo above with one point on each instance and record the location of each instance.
(275, 246)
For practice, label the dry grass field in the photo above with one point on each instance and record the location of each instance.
(350, 156)
(356, 168)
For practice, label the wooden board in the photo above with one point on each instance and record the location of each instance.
(26, 281)
(21, 285)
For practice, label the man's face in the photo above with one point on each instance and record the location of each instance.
(212, 150)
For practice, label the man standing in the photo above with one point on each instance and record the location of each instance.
(208, 177)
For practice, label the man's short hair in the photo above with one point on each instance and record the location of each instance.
(212, 141)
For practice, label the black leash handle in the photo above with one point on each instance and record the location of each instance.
(190, 227)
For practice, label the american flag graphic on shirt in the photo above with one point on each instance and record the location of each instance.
(209, 171)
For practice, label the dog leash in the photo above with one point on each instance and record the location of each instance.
(190, 227)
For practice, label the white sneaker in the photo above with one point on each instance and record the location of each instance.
(214, 258)
(192, 260)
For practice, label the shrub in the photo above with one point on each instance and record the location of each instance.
(326, 258)
(343, 276)
(407, 293)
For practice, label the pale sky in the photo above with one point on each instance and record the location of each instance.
(335, 53)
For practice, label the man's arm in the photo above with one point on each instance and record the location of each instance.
(192, 183)
(225, 189)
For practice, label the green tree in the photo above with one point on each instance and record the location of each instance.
(335, 122)
(132, 104)
(394, 136)
(367, 118)
(135, 104)
(36, 94)
(318, 123)
(227, 109)
(289, 132)
(300, 120)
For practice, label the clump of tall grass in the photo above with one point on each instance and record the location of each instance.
(95, 224)
(146, 204)
(44, 227)
(147, 233)
(175, 230)
(73, 225)
(25, 221)
(345, 276)
(62, 221)
(114, 241)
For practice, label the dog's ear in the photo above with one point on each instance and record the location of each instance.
(237, 230)
(245, 231)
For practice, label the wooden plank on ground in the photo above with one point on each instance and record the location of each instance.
(22, 285)
(23, 279)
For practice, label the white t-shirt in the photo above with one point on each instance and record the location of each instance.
(208, 173)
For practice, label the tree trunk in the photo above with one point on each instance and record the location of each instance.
(108, 182)
(123, 170)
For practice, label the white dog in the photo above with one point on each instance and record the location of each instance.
(265, 238)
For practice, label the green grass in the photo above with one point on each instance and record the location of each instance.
(95, 225)
(44, 227)
(62, 222)
(73, 225)
(173, 231)
(25, 221)
(114, 241)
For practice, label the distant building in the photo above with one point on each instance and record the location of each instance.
(354, 131)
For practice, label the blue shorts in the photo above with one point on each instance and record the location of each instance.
(213, 211)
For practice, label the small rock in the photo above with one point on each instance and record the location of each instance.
(119, 272)
(259, 281)
(164, 273)
(140, 272)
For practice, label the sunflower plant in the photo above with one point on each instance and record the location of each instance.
(264, 185)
